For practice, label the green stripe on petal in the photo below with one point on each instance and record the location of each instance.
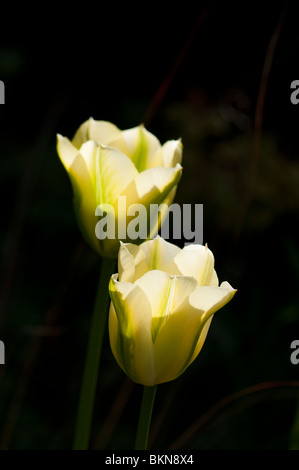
(157, 286)
(143, 146)
(113, 171)
(165, 293)
(158, 253)
(132, 347)
(178, 335)
(163, 207)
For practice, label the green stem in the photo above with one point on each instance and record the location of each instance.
(145, 417)
(94, 349)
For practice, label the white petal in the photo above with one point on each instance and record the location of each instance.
(209, 299)
(172, 153)
(126, 265)
(208, 316)
(152, 186)
(88, 151)
(66, 151)
(196, 261)
(101, 132)
(131, 262)
(82, 134)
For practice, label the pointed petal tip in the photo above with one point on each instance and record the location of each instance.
(61, 138)
(179, 142)
(114, 278)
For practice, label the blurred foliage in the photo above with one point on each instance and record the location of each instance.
(49, 275)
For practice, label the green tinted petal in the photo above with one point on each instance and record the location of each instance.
(157, 220)
(143, 146)
(129, 330)
(83, 189)
(157, 286)
(178, 334)
(200, 342)
(158, 253)
(113, 171)
(66, 151)
(165, 294)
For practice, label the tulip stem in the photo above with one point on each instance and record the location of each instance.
(145, 417)
(93, 355)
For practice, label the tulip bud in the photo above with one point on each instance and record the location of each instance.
(106, 165)
(162, 303)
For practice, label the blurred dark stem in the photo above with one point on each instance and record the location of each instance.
(161, 416)
(30, 177)
(222, 404)
(19, 393)
(165, 84)
(258, 127)
(114, 414)
(33, 350)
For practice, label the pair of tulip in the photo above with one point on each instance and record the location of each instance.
(163, 298)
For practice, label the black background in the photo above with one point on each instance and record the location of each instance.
(189, 71)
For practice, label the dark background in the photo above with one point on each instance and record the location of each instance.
(218, 76)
